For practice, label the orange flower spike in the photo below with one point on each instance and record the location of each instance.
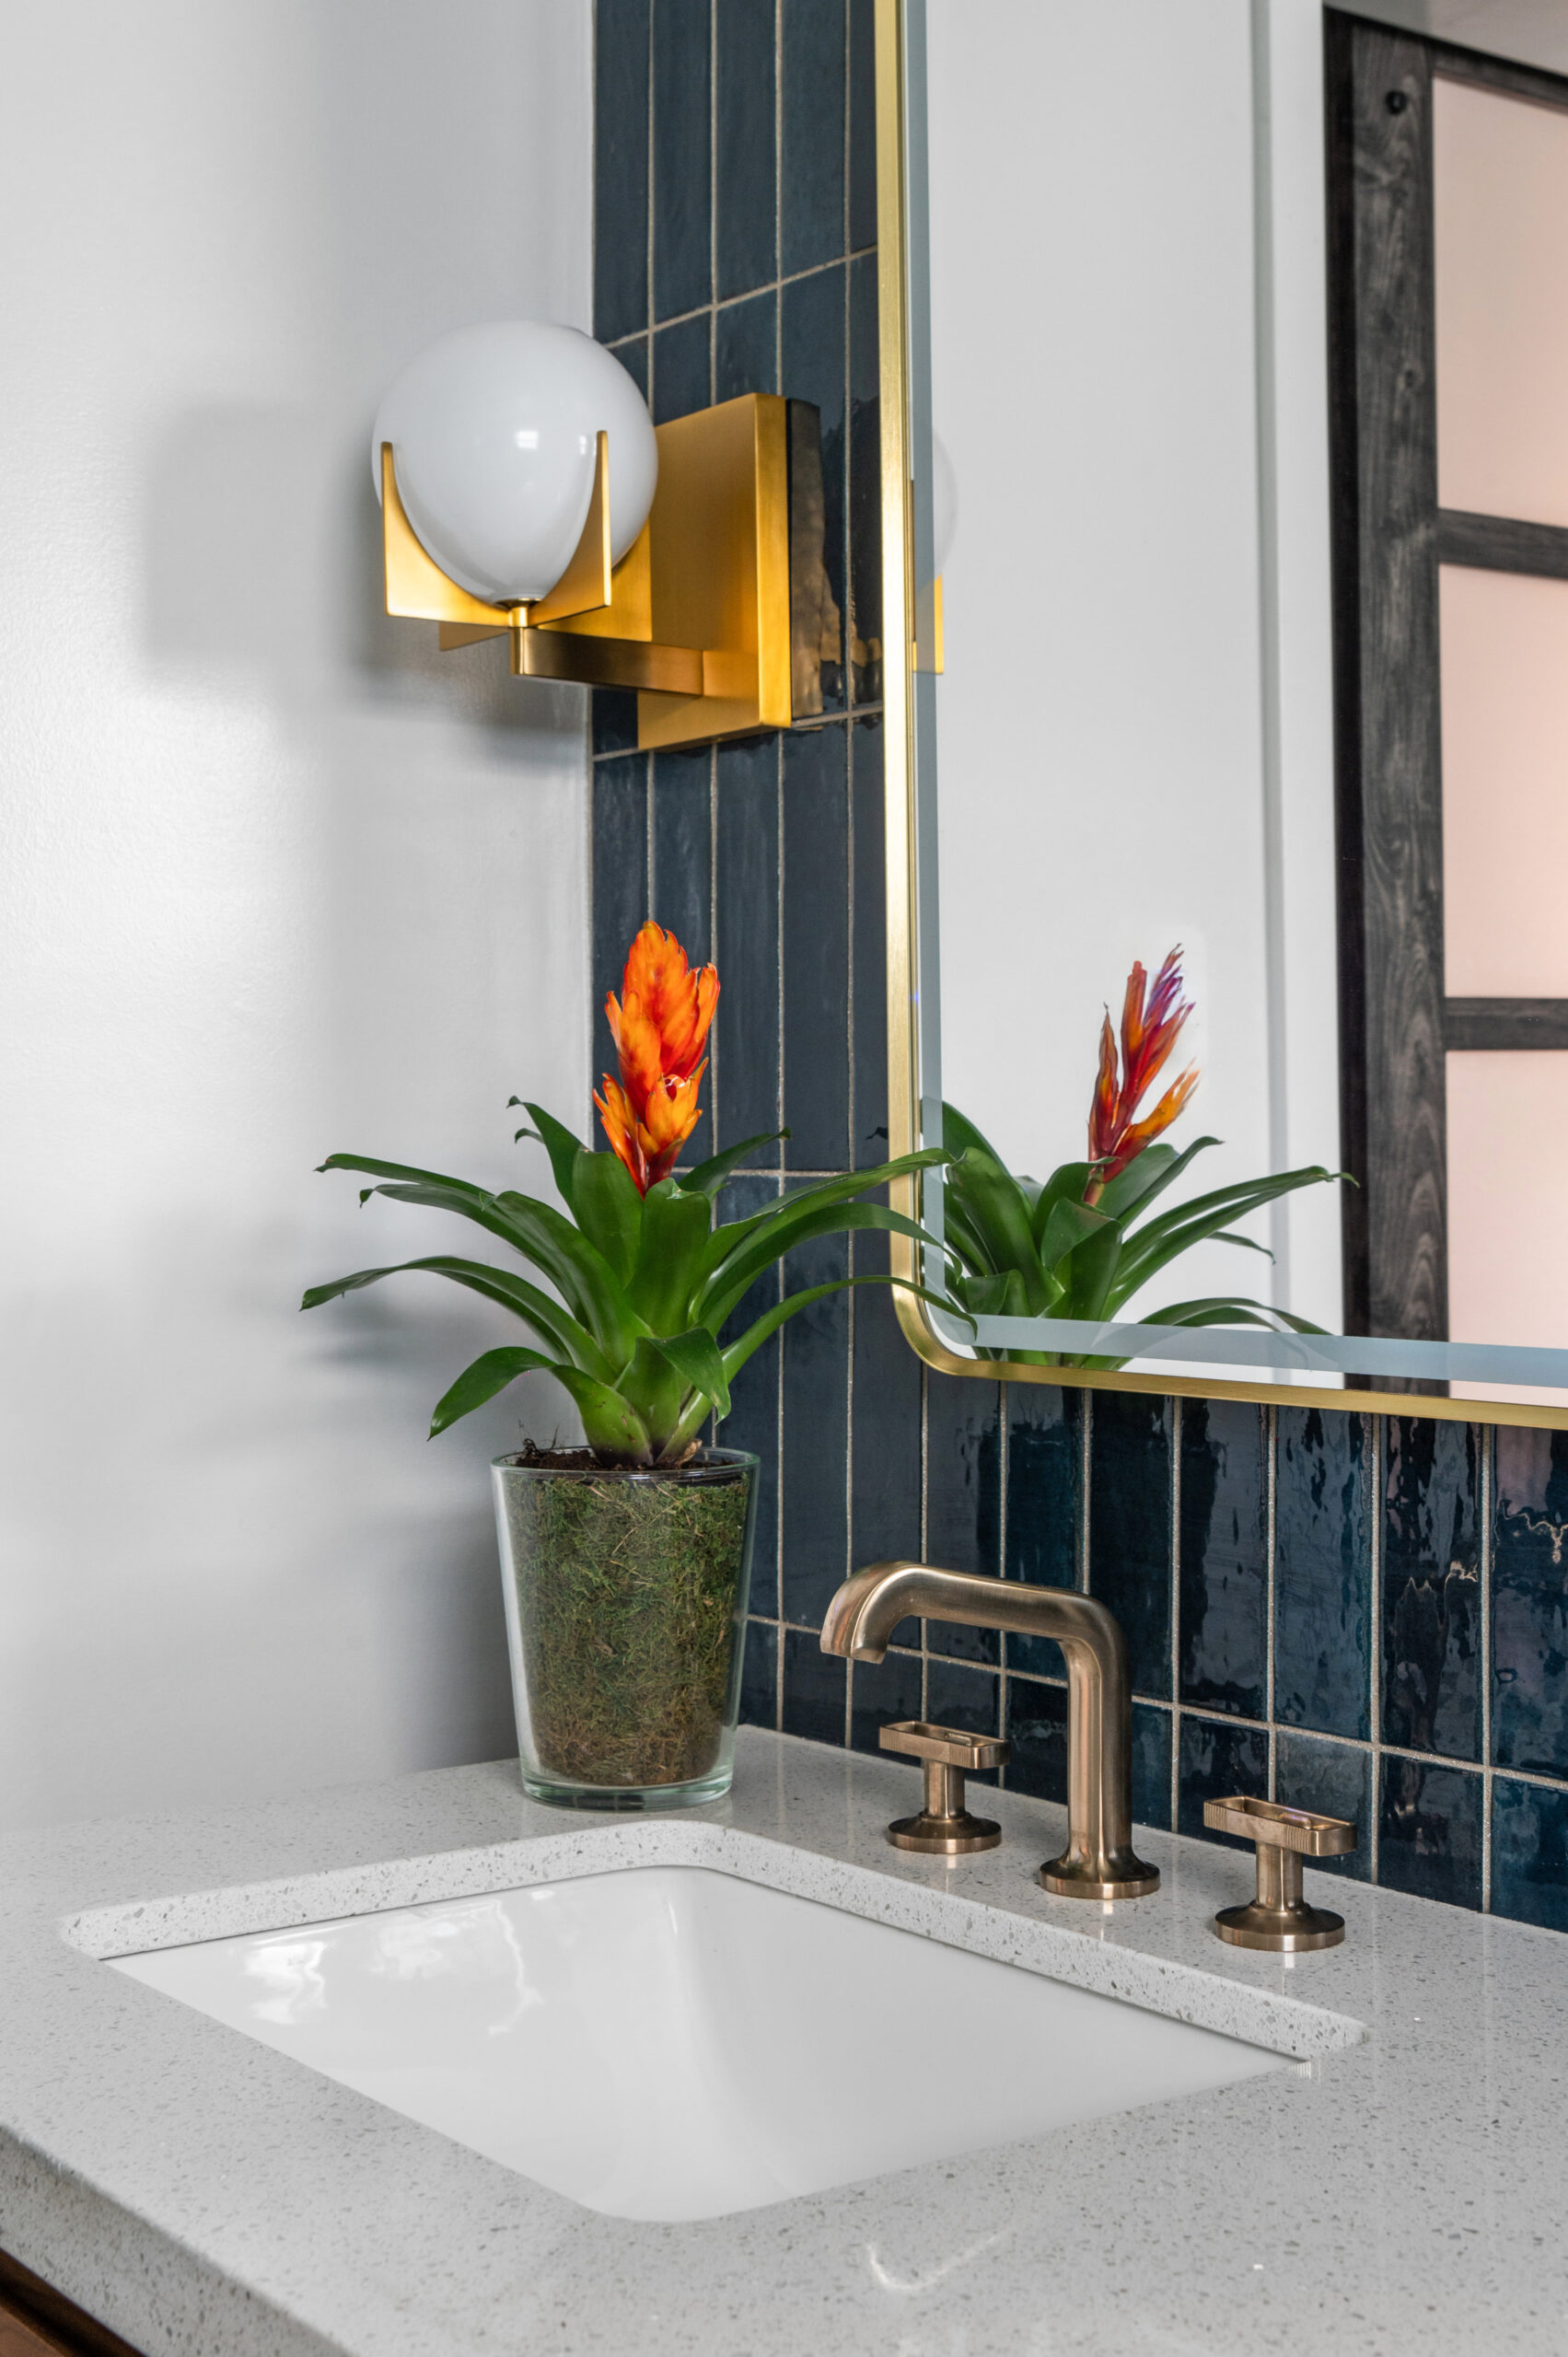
(1150, 1024)
(659, 1024)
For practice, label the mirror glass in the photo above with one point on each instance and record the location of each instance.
(1236, 656)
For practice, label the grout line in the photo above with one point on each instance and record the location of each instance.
(749, 294)
(1085, 1433)
(1175, 1597)
(924, 1521)
(1002, 1409)
(1488, 1446)
(1271, 1540)
(1378, 1447)
(648, 265)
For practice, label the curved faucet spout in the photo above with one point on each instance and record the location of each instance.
(1098, 1862)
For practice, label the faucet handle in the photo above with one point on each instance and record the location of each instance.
(1279, 1916)
(944, 1825)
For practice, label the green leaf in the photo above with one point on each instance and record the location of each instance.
(1158, 1241)
(1065, 1185)
(696, 1358)
(1001, 1295)
(1070, 1224)
(960, 1136)
(558, 1143)
(609, 1208)
(677, 1228)
(709, 1176)
(994, 1203)
(612, 1425)
(1213, 1311)
(558, 1326)
(758, 1333)
(1148, 1175)
(1089, 1273)
(484, 1379)
(731, 1237)
(724, 1291)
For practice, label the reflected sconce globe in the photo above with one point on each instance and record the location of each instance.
(493, 431)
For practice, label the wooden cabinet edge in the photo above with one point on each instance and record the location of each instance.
(38, 2321)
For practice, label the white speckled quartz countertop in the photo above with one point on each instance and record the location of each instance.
(205, 2196)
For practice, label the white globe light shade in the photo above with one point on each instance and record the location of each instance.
(494, 434)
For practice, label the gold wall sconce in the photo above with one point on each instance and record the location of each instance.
(715, 608)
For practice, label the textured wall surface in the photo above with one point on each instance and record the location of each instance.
(276, 878)
(1364, 1615)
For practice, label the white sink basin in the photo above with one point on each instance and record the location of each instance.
(670, 2042)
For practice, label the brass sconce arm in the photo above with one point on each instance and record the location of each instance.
(1098, 1862)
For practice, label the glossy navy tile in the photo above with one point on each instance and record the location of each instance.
(760, 1676)
(621, 882)
(1217, 1759)
(1334, 1779)
(862, 124)
(1152, 1736)
(811, 162)
(1223, 1587)
(745, 227)
(1429, 1832)
(1037, 1728)
(812, 366)
(1323, 1571)
(816, 949)
(864, 499)
(1044, 1504)
(882, 1692)
(1529, 1853)
(815, 1521)
(1130, 1502)
(634, 357)
(1530, 1602)
(869, 1022)
(746, 915)
(621, 167)
(958, 1695)
(682, 175)
(814, 1685)
(884, 1422)
(614, 720)
(1431, 1587)
(753, 1421)
(963, 1497)
(682, 377)
(745, 337)
(682, 879)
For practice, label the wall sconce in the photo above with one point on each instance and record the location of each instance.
(525, 489)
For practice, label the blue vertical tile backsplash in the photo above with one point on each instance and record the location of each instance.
(1367, 1616)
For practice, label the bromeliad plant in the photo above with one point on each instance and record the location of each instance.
(645, 1279)
(1082, 1243)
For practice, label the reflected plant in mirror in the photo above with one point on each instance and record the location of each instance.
(1083, 1241)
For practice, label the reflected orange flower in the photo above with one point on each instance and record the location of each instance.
(1150, 1024)
(659, 1024)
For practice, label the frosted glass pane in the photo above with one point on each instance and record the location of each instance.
(1504, 656)
(1508, 1197)
(1502, 224)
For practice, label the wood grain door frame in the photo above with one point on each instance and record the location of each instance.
(1389, 538)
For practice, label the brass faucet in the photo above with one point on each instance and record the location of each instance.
(1098, 1862)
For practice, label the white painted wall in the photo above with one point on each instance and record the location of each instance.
(276, 879)
(1135, 714)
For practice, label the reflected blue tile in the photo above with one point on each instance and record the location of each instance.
(811, 164)
(620, 169)
(958, 1695)
(621, 882)
(753, 1420)
(870, 1046)
(881, 1693)
(885, 1431)
(1218, 1758)
(1529, 1606)
(682, 377)
(746, 340)
(1431, 1587)
(1335, 1780)
(862, 124)
(816, 949)
(681, 177)
(615, 720)
(635, 356)
(1323, 1571)
(812, 367)
(760, 1678)
(1130, 1507)
(1150, 1766)
(815, 1521)
(1225, 1556)
(746, 895)
(864, 484)
(814, 1688)
(1037, 1729)
(1529, 1853)
(682, 880)
(1429, 1832)
(745, 229)
(1044, 1504)
(963, 1496)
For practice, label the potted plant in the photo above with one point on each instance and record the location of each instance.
(625, 1562)
(1081, 1243)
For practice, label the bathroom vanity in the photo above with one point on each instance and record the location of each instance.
(1370, 2159)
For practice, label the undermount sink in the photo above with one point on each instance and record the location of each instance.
(671, 2042)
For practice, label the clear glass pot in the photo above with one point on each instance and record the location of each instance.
(626, 1597)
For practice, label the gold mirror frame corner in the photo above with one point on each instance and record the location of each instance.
(902, 819)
